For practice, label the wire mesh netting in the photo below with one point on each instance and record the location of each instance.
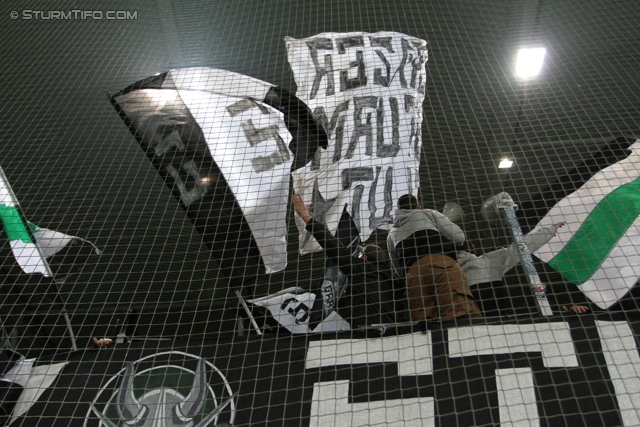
(156, 272)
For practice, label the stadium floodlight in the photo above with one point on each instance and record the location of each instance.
(505, 164)
(529, 61)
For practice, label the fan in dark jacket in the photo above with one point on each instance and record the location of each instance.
(369, 298)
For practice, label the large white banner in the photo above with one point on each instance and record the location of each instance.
(367, 91)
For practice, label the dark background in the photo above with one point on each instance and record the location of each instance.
(76, 168)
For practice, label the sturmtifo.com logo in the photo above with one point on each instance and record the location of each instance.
(167, 389)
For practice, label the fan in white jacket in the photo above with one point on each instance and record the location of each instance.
(485, 272)
(422, 245)
(433, 232)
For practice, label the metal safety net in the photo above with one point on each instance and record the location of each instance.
(318, 214)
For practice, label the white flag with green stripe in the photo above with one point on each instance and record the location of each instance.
(599, 249)
(39, 250)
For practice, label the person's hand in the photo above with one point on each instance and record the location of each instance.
(575, 309)
(559, 224)
(301, 209)
(102, 342)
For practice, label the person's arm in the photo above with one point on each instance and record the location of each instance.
(575, 309)
(500, 261)
(447, 229)
(537, 239)
(334, 250)
(301, 209)
(572, 295)
(391, 250)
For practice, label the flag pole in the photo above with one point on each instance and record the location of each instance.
(246, 309)
(504, 203)
(74, 347)
(48, 272)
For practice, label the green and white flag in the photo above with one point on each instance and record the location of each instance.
(599, 249)
(39, 250)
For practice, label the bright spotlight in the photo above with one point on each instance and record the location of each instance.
(530, 61)
(505, 164)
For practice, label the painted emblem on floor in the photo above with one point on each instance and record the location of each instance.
(171, 389)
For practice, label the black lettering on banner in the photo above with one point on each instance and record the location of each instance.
(378, 78)
(360, 80)
(375, 222)
(337, 123)
(337, 153)
(243, 105)
(416, 65)
(346, 42)
(410, 180)
(417, 59)
(358, 191)
(415, 139)
(256, 136)
(384, 42)
(321, 71)
(405, 57)
(351, 175)
(388, 200)
(320, 115)
(379, 126)
(389, 150)
(362, 129)
(414, 53)
(410, 103)
(188, 196)
(328, 292)
(296, 309)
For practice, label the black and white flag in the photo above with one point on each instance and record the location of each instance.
(225, 144)
(302, 312)
(367, 90)
(292, 309)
